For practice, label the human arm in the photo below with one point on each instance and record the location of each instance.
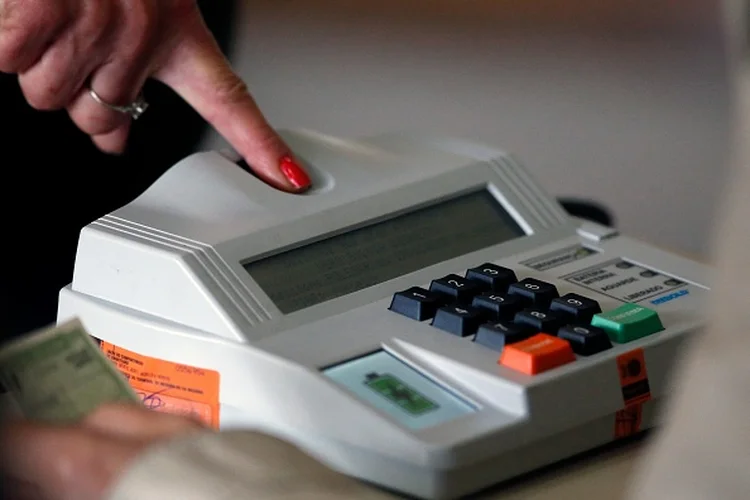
(61, 49)
(125, 452)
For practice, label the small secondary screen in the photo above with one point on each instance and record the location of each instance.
(392, 386)
(369, 255)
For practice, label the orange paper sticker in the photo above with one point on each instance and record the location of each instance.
(628, 421)
(169, 387)
(631, 367)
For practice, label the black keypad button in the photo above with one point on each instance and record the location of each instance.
(458, 288)
(458, 319)
(497, 278)
(540, 320)
(416, 303)
(497, 335)
(585, 339)
(498, 307)
(577, 308)
(535, 292)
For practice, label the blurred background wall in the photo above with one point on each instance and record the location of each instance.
(625, 103)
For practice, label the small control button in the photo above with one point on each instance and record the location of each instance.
(535, 292)
(540, 320)
(458, 319)
(576, 307)
(497, 335)
(498, 307)
(496, 277)
(416, 303)
(537, 354)
(457, 287)
(628, 322)
(585, 340)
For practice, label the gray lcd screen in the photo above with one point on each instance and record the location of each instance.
(369, 255)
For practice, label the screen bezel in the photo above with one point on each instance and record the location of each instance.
(503, 216)
(540, 216)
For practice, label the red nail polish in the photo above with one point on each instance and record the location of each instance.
(294, 173)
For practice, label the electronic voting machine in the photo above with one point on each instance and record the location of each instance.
(426, 318)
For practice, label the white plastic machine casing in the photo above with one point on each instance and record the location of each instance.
(164, 277)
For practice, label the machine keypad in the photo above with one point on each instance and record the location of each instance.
(498, 310)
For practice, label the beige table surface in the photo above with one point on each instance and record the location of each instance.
(604, 474)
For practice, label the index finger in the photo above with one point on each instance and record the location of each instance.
(198, 71)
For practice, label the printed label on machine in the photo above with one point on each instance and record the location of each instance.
(631, 368)
(169, 387)
(628, 421)
(625, 281)
(559, 258)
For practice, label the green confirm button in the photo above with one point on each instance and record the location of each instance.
(628, 322)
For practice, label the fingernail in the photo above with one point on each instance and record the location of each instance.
(296, 175)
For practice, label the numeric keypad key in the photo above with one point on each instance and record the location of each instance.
(497, 335)
(457, 319)
(416, 303)
(577, 308)
(536, 292)
(498, 307)
(585, 340)
(458, 288)
(540, 320)
(497, 278)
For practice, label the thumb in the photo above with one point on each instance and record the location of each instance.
(198, 71)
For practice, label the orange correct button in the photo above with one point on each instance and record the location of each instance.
(537, 354)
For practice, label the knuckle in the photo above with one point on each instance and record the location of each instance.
(96, 21)
(229, 87)
(14, 32)
(8, 11)
(43, 94)
(140, 27)
(22, 23)
(267, 139)
(98, 124)
(12, 50)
